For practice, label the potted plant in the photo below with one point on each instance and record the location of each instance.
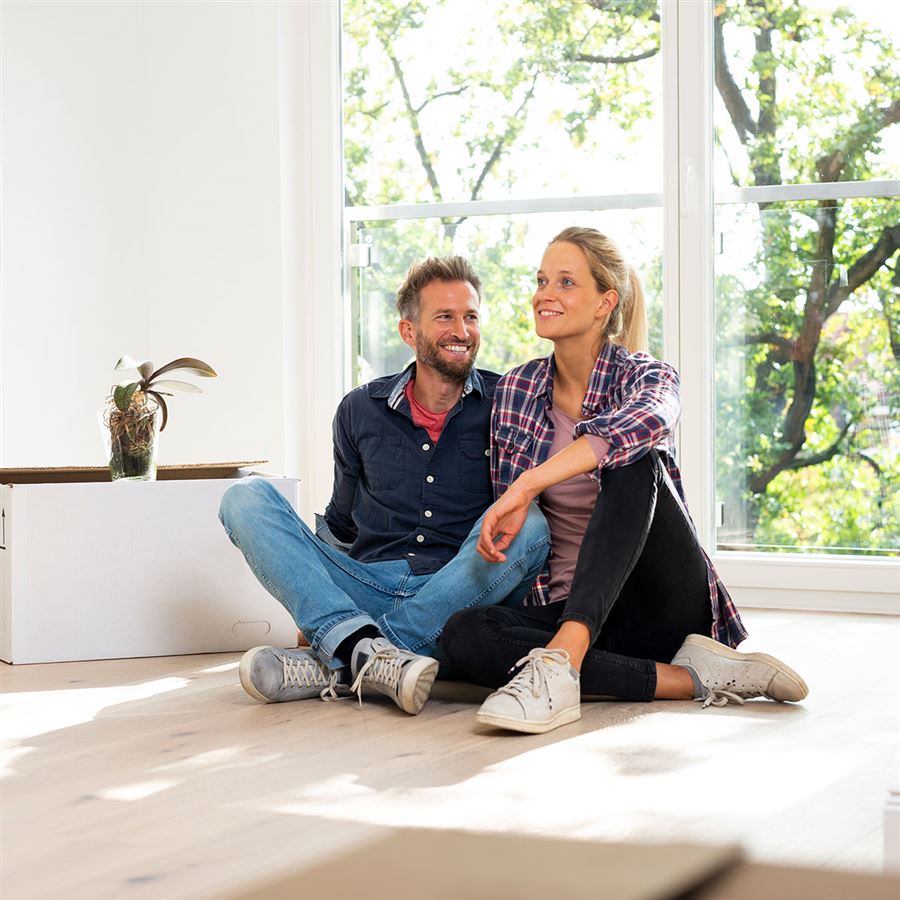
(136, 411)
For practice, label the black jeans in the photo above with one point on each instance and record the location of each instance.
(640, 586)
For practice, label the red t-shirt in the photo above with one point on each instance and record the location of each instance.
(432, 422)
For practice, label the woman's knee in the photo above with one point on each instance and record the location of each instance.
(453, 637)
(643, 470)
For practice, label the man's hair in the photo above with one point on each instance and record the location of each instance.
(444, 268)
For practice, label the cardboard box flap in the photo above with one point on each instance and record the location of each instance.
(78, 474)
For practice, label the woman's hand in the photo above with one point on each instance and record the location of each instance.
(503, 521)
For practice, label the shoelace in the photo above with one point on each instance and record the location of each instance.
(533, 674)
(720, 697)
(384, 665)
(306, 673)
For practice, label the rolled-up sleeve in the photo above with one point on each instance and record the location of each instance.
(645, 416)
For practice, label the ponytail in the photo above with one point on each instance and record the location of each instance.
(634, 330)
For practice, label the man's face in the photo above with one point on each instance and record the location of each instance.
(447, 334)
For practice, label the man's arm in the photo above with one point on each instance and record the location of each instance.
(347, 471)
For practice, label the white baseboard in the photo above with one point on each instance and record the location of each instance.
(816, 600)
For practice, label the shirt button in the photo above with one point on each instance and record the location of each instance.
(420, 538)
(430, 479)
(427, 513)
(487, 452)
(426, 446)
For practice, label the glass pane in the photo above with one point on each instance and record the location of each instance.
(448, 100)
(807, 377)
(505, 252)
(808, 334)
(806, 91)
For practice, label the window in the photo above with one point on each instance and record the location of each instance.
(807, 283)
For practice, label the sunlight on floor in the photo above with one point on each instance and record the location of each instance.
(225, 667)
(662, 771)
(32, 713)
(135, 791)
(219, 760)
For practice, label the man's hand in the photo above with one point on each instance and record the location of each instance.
(503, 521)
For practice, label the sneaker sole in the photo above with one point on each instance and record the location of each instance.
(566, 717)
(416, 686)
(698, 640)
(246, 683)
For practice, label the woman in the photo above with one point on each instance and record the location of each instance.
(588, 432)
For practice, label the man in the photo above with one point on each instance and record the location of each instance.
(411, 454)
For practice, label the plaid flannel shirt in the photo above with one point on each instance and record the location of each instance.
(633, 402)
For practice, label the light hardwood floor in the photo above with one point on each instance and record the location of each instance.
(161, 778)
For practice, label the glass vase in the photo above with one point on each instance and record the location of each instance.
(131, 439)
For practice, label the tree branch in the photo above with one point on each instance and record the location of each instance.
(776, 340)
(499, 146)
(738, 111)
(830, 166)
(434, 97)
(823, 456)
(893, 334)
(864, 268)
(601, 6)
(412, 115)
(591, 58)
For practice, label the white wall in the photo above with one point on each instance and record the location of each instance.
(140, 216)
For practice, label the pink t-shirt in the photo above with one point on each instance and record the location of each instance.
(568, 507)
(432, 422)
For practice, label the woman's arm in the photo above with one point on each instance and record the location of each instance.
(503, 521)
(647, 416)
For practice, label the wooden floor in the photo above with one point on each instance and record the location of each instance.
(161, 778)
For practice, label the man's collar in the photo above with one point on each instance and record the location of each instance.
(393, 388)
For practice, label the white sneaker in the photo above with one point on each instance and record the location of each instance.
(544, 694)
(730, 675)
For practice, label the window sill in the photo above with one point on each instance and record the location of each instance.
(806, 581)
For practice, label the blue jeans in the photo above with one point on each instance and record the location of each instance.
(330, 596)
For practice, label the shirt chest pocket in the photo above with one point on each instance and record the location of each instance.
(514, 446)
(474, 466)
(384, 462)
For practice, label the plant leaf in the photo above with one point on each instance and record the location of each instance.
(189, 364)
(123, 393)
(162, 405)
(177, 386)
(126, 362)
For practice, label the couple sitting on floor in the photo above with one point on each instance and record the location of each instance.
(526, 532)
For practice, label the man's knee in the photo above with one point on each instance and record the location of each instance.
(535, 531)
(241, 501)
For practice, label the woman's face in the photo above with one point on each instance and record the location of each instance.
(566, 302)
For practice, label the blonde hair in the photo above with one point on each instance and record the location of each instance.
(420, 274)
(627, 323)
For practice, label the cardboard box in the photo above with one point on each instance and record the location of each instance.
(96, 570)
(448, 865)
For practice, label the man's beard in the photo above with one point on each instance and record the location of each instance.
(428, 354)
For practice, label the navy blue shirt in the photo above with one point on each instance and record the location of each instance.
(397, 494)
